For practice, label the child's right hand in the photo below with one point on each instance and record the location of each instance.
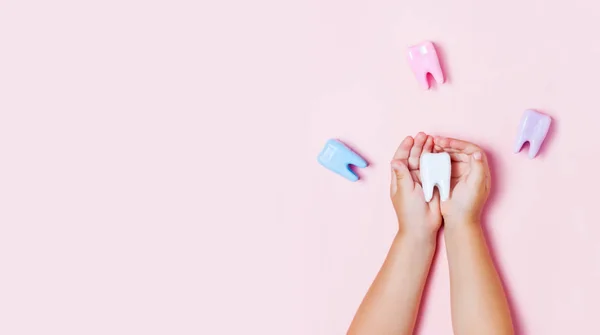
(470, 182)
(416, 217)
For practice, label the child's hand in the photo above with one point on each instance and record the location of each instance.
(416, 217)
(470, 181)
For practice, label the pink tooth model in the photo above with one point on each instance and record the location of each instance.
(423, 59)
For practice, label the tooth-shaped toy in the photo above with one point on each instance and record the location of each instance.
(533, 128)
(337, 157)
(435, 171)
(423, 59)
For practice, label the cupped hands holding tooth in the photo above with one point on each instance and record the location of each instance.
(478, 302)
(469, 183)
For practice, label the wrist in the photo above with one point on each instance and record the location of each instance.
(462, 219)
(460, 227)
(417, 239)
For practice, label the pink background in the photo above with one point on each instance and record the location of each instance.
(158, 166)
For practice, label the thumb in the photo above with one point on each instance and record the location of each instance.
(478, 169)
(401, 178)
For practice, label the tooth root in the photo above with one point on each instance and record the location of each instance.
(520, 142)
(422, 79)
(444, 188)
(436, 72)
(337, 157)
(357, 161)
(427, 189)
(424, 59)
(348, 174)
(533, 128)
(435, 171)
(534, 148)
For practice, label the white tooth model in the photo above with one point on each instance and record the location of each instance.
(435, 171)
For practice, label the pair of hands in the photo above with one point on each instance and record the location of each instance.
(469, 183)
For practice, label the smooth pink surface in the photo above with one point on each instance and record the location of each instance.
(423, 60)
(158, 171)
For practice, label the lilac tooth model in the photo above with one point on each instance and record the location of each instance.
(533, 128)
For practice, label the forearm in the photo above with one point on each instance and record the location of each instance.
(479, 304)
(392, 303)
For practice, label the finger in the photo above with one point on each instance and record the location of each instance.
(428, 147)
(403, 150)
(434, 204)
(401, 178)
(444, 149)
(455, 155)
(459, 157)
(456, 145)
(415, 152)
(400, 160)
(479, 170)
(416, 176)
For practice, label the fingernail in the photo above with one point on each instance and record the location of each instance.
(477, 156)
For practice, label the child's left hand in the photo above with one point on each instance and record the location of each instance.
(416, 217)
